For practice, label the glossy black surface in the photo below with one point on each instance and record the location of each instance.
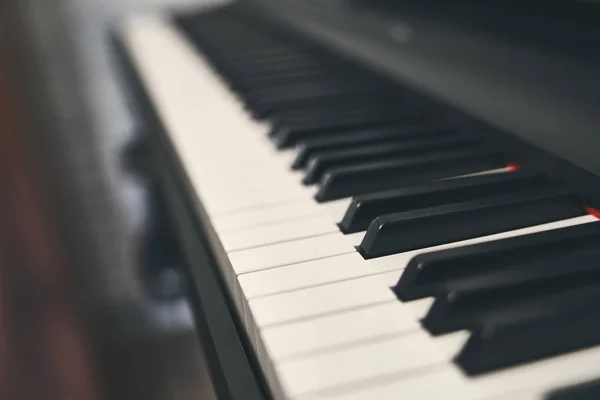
(396, 233)
(583, 391)
(357, 137)
(319, 164)
(492, 347)
(557, 252)
(365, 208)
(377, 176)
(513, 302)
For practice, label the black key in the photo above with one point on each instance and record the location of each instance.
(272, 64)
(272, 51)
(393, 150)
(287, 136)
(499, 262)
(264, 59)
(365, 208)
(212, 38)
(267, 53)
(310, 109)
(471, 309)
(266, 68)
(268, 93)
(283, 61)
(289, 78)
(320, 120)
(283, 132)
(397, 233)
(326, 100)
(352, 138)
(278, 83)
(328, 110)
(343, 182)
(253, 84)
(247, 85)
(241, 79)
(294, 108)
(498, 346)
(584, 391)
(296, 112)
(294, 92)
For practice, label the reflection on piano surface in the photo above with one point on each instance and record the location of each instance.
(350, 238)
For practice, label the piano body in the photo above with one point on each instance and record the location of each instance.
(379, 199)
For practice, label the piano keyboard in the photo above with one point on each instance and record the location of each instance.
(374, 250)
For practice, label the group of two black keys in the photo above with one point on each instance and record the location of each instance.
(357, 137)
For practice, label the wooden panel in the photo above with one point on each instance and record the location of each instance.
(44, 351)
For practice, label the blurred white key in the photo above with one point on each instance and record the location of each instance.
(358, 364)
(440, 382)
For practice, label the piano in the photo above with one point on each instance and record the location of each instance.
(380, 199)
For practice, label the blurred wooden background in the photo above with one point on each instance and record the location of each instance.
(44, 347)
(73, 321)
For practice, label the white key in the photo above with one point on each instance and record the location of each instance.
(323, 300)
(341, 330)
(266, 215)
(276, 233)
(439, 382)
(245, 201)
(304, 207)
(359, 364)
(303, 275)
(527, 394)
(297, 251)
(337, 208)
